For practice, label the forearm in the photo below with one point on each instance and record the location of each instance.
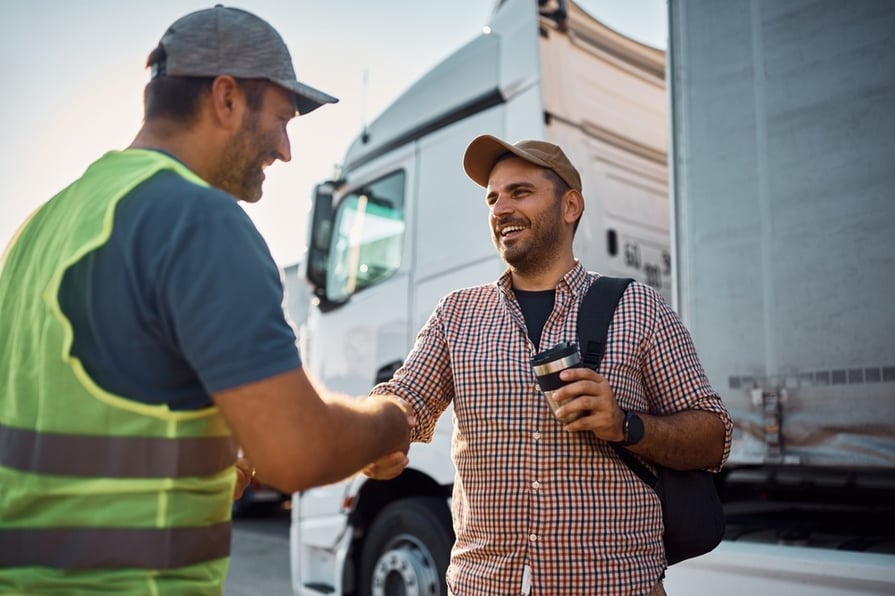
(688, 440)
(367, 430)
(296, 440)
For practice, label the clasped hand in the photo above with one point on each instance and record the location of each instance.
(392, 464)
(589, 395)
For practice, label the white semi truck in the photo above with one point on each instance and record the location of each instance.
(783, 236)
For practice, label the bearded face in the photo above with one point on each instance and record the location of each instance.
(526, 216)
(528, 243)
(241, 169)
(260, 140)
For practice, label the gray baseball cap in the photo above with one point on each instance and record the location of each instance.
(229, 41)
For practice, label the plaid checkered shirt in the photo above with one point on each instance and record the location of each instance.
(536, 509)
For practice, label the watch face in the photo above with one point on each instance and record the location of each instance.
(633, 428)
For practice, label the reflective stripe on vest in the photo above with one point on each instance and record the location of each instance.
(111, 548)
(114, 457)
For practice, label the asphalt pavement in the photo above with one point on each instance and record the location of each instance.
(259, 560)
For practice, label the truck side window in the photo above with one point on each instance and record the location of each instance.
(368, 237)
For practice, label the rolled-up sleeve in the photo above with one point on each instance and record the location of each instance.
(425, 380)
(673, 375)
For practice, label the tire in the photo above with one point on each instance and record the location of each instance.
(406, 550)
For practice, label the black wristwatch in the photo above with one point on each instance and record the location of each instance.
(633, 427)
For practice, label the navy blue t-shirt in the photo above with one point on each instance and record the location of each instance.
(183, 300)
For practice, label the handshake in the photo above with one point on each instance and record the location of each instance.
(393, 463)
(369, 435)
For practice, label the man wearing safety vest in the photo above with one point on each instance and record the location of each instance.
(143, 339)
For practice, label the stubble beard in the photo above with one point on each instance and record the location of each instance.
(240, 168)
(537, 254)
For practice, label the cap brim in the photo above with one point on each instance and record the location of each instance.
(484, 151)
(307, 99)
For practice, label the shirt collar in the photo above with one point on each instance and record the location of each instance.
(574, 281)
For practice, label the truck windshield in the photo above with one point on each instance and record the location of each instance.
(368, 237)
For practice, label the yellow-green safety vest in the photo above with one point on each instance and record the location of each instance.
(99, 494)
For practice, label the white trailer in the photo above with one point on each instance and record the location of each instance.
(783, 136)
(403, 226)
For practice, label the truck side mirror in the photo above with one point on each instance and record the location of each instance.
(320, 236)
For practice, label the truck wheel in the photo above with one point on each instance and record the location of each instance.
(407, 549)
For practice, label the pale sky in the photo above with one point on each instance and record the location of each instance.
(72, 76)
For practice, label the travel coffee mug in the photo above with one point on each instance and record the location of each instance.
(548, 364)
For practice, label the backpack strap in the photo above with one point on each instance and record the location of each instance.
(596, 312)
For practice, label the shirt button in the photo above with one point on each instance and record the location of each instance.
(536, 485)
(537, 436)
(532, 537)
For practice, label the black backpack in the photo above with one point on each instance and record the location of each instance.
(691, 509)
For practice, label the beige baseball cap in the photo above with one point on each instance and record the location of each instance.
(229, 41)
(484, 151)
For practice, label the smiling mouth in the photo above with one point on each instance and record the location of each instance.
(509, 230)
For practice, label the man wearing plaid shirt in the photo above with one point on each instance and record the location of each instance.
(541, 506)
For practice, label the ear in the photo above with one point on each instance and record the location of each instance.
(227, 102)
(572, 206)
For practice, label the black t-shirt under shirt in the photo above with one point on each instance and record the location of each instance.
(536, 308)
